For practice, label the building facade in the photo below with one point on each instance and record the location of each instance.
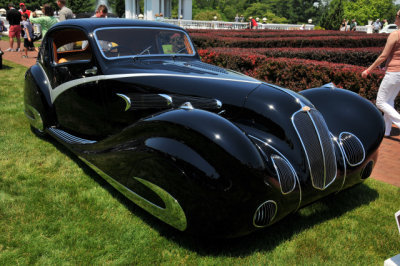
(153, 7)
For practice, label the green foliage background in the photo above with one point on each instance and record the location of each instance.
(327, 15)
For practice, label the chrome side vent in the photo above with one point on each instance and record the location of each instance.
(318, 146)
(353, 148)
(265, 213)
(68, 138)
(286, 174)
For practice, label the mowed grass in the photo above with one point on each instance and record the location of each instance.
(55, 210)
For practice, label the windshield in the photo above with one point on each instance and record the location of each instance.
(128, 42)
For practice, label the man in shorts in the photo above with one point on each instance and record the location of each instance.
(14, 18)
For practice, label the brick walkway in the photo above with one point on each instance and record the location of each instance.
(387, 168)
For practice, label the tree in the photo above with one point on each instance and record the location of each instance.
(364, 10)
(208, 15)
(81, 6)
(300, 11)
(263, 10)
(332, 15)
(119, 8)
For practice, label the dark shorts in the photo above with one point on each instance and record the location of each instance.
(27, 43)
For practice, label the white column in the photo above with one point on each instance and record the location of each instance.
(130, 9)
(187, 9)
(167, 8)
(180, 9)
(151, 7)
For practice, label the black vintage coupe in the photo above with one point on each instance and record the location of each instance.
(204, 149)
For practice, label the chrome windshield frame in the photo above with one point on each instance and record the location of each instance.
(147, 55)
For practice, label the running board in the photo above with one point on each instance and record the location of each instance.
(68, 138)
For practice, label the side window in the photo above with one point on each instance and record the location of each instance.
(70, 46)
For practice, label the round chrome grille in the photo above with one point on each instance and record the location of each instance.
(265, 213)
(353, 148)
(286, 175)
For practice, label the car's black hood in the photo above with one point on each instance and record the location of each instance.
(184, 77)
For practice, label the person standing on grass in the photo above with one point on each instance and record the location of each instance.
(65, 13)
(390, 85)
(45, 21)
(27, 26)
(14, 18)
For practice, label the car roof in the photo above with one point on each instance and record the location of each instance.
(92, 24)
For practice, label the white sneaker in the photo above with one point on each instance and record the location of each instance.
(18, 50)
(10, 50)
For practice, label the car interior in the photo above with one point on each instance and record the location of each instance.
(70, 46)
(142, 41)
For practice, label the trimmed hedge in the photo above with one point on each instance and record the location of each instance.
(203, 41)
(297, 74)
(352, 56)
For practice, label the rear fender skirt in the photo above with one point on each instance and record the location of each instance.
(172, 214)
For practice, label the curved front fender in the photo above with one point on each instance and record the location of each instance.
(218, 130)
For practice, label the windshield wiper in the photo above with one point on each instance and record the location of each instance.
(145, 50)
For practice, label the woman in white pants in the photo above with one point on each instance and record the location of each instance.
(390, 85)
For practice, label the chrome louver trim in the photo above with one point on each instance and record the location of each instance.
(353, 148)
(285, 172)
(127, 101)
(336, 140)
(318, 147)
(265, 213)
(68, 138)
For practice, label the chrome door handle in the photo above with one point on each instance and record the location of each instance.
(91, 71)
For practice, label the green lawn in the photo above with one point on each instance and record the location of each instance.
(55, 210)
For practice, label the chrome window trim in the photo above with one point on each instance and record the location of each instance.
(138, 56)
(362, 146)
(305, 151)
(280, 154)
(272, 218)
